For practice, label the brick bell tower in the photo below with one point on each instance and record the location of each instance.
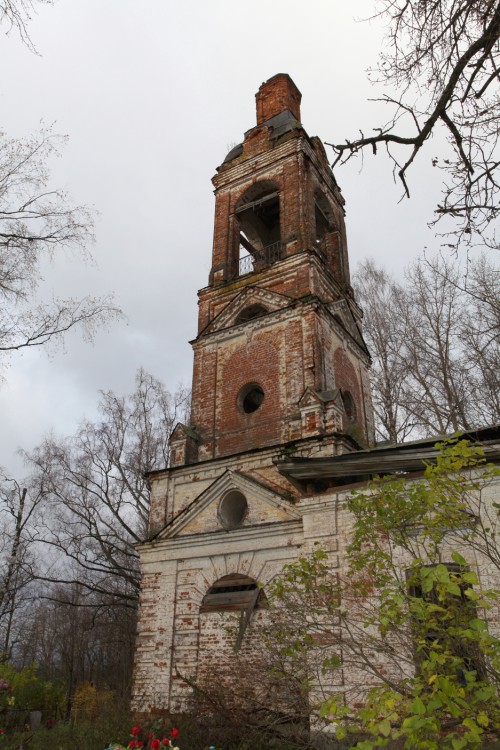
(279, 354)
(280, 370)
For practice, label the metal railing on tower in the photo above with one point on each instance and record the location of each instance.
(269, 255)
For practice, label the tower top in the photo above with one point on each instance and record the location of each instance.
(276, 195)
(276, 95)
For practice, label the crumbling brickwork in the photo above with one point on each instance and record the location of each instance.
(277, 95)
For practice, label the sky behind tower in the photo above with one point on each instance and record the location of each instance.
(153, 95)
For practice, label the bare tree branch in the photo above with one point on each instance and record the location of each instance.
(35, 224)
(16, 15)
(435, 345)
(444, 59)
(95, 488)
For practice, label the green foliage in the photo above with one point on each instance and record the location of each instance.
(411, 610)
(306, 585)
(29, 691)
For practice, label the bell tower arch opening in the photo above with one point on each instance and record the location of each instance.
(325, 226)
(258, 227)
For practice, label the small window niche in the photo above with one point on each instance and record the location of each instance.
(249, 313)
(233, 509)
(250, 398)
(349, 406)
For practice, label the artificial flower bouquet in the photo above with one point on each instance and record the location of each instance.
(148, 740)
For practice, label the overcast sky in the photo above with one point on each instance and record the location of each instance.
(152, 95)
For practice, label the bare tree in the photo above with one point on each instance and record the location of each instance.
(437, 388)
(16, 15)
(73, 639)
(257, 693)
(19, 510)
(35, 223)
(435, 344)
(379, 295)
(96, 491)
(77, 567)
(482, 334)
(443, 60)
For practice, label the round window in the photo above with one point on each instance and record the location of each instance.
(233, 509)
(250, 398)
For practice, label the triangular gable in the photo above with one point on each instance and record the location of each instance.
(201, 515)
(251, 295)
(322, 398)
(181, 432)
(178, 433)
(309, 398)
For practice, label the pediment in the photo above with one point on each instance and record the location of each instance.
(182, 432)
(178, 433)
(343, 313)
(311, 397)
(251, 295)
(203, 514)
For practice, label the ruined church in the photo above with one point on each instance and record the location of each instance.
(280, 374)
(281, 421)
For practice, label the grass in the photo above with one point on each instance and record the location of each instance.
(97, 735)
(85, 735)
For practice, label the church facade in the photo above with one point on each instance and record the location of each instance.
(280, 373)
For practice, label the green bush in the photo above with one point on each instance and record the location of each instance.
(28, 691)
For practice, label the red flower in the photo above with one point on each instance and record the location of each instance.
(155, 744)
(132, 744)
(139, 743)
(165, 741)
(135, 731)
(150, 736)
(174, 733)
